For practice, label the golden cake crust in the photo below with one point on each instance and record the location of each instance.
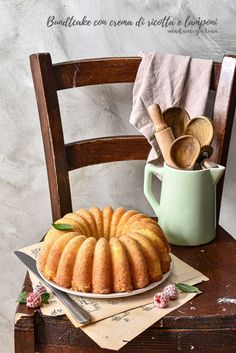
(82, 273)
(124, 219)
(118, 213)
(89, 219)
(107, 216)
(151, 257)
(120, 267)
(102, 272)
(51, 266)
(98, 217)
(67, 260)
(106, 251)
(138, 266)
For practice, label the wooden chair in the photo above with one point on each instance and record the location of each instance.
(211, 327)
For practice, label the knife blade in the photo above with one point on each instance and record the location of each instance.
(76, 311)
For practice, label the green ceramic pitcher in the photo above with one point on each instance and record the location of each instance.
(187, 208)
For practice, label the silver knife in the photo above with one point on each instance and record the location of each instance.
(77, 312)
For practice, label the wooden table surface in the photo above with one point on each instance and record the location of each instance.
(201, 325)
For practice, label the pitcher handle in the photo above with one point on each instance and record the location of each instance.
(148, 172)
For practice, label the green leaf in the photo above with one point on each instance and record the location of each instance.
(62, 226)
(22, 298)
(45, 297)
(183, 287)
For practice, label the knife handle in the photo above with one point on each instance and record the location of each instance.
(76, 311)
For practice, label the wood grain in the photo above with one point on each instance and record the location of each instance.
(177, 118)
(184, 151)
(105, 70)
(52, 133)
(200, 127)
(106, 149)
(95, 72)
(223, 116)
(163, 132)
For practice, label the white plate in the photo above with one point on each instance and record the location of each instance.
(111, 295)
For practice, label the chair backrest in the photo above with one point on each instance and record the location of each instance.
(61, 158)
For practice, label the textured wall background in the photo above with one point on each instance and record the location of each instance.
(86, 112)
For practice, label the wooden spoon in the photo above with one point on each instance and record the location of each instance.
(177, 118)
(200, 127)
(184, 151)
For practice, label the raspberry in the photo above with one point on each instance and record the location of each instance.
(39, 290)
(171, 291)
(33, 300)
(161, 300)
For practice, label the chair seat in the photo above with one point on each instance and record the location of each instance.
(201, 325)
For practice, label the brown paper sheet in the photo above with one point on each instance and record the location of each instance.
(114, 321)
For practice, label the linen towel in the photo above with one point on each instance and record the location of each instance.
(169, 80)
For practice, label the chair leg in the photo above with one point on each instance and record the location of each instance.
(24, 333)
(24, 339)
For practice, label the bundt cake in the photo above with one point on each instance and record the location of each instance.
(105, 251)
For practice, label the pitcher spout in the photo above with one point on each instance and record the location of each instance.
(216, 173)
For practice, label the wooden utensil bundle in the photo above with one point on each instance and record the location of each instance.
(182, 141)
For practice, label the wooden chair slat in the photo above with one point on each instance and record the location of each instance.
(104, 150)
(215, 76)
(95, 71)
(105, 70)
